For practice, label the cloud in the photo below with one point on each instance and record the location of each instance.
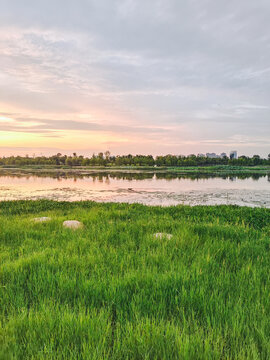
(162, 67)
(49, 126)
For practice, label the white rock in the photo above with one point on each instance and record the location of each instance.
(42, 219)
(72, 224)
(163, 236)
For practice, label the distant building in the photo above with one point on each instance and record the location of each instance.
(233, 154)
(212, 155)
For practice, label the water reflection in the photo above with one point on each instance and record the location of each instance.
(148, 187)
(127, 176)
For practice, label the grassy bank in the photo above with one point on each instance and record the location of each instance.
(220, 170)
(111, 290)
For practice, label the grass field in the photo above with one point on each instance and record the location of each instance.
(218, 170)
(111, 290)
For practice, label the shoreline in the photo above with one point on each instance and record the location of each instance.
(80, 170)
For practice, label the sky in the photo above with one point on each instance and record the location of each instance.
(149, 77)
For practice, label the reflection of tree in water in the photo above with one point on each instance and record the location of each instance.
(107, 180)
(255, 177)
(132, 176)
(128, 176)
(99, 177)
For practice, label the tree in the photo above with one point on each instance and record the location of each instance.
(69, 161)
(256, 159)
(107, 155)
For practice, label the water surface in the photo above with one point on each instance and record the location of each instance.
(143, 187)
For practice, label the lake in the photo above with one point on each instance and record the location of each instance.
(143, 187)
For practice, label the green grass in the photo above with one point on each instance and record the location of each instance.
(112, 291)
(210, 169)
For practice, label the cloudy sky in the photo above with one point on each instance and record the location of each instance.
(153, 76)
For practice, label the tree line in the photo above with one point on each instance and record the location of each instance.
(106, 159)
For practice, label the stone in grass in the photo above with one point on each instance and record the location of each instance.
(72, 224)
(163, 236)
(42, 219)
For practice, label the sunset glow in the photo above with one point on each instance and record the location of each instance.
(107, 76)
